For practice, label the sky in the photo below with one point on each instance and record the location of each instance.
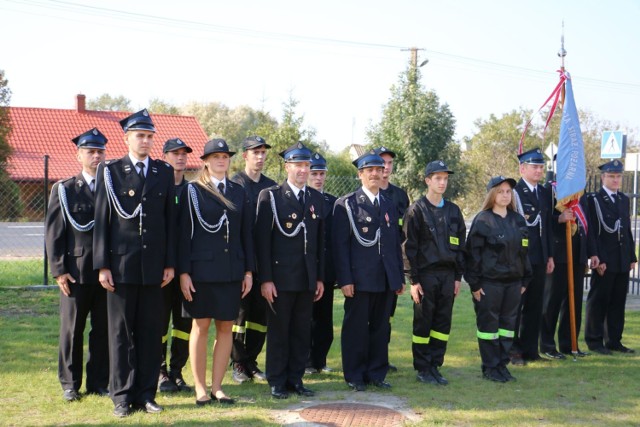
(338, 58)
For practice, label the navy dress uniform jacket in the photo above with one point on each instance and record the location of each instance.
(198, 249)
(282, 259)
(136, 254)
(617, 252)
(540, 243)
(356, 264)
(69, 250)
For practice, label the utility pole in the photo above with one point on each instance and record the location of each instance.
(414, 56)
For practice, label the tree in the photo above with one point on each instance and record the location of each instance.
(158, 106)
(9, 190)
(418, 129)
(106, 102)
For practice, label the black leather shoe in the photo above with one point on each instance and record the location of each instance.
(150, 407)
(204, 402)
(426, 377)
(578, 353)
(492, 374)
(166, 385)
(438, 376)
(393, 368)
(176, 377)
(257, 374)
(502, 370)
(534, 358)
(622, 349)
(601, 350)
(279, 392)
(100, 391)
(357, 386)
(553, 354)
(224, 400)
(70, 395)
(122, 410)
(517, 360)
(301, 390)
(381, 384)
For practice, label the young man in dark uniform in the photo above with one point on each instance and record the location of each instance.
(533, 202)
(556, 299)
(368, 262)
(434, 261)
(175, 153)
(69, 241)
(322, 321)
(134, 251)
(400, 199)
(250, 328)
(290, 251)
(612, 251)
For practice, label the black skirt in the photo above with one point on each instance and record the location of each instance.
(214, 300)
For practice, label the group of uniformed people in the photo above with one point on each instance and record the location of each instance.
(133, 244)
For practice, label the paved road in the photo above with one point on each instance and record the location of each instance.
(21, 239)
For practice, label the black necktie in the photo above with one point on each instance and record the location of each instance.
(221, 187)
(92, 185)
(140, 165)
(376, 205)
(301, 198)
(535, 192)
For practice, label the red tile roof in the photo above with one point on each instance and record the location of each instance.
(40, 131)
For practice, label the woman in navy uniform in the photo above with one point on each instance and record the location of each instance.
(134, 251)
(69, 240)
(498, 271)
(215, 262)
(290, 251)
(368, 262)
(612, 252)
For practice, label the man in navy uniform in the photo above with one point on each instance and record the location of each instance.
(134, 250)
(175, 153)
(290, 252)
(368, 262)
(322, 321)
(612, 251)
(400, 199)
(69, 241)
(533, 202)
(250, 328)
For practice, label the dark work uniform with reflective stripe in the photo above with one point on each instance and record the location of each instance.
(70, 251)
(608, 294)
(540, 249)
(376, 273)
(497, 263)
(250, 328)
(172, 298)
(137, 256)
(434, 258)
(322, 321)
(556, 299)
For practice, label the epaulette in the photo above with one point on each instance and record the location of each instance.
(111, 161)
(273, 187)
(62, 181)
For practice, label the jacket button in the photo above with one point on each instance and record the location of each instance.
(144, 199)
(144, 246)
(226, 250)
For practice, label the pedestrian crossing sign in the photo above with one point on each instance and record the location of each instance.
(613, 146)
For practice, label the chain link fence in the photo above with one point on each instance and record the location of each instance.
(25, 185)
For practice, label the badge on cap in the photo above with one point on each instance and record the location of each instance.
(441, 163)
(95, 132)
(299, 145)
(132, 193)
(220, 144)
(616, 163)
(317, 156)
(179, 141)
(259, 139)
(145, 113)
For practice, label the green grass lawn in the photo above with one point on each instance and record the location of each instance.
(21, 272)
(596, 390)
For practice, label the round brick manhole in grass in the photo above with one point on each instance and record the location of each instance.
(352, 414)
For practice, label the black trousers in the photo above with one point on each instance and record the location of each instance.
(85, 299)
(172, 300)
(605, 309)
(432, 319)
(288, 337)
(321, 329)
(135, 340)
(365, 336)
(556, 306)
(250, 328)
(495, 319)
(530, 314)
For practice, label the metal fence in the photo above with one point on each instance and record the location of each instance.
(23, 205)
